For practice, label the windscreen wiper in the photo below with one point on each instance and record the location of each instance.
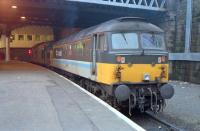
(125, 38)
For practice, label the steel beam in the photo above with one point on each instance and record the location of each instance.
(188, 26)
(163, 4)
(184, 57)
(141, 4)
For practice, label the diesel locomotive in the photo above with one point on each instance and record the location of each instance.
(123, 61)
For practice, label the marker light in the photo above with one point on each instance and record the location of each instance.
(163, 58)
(121, 59)
(118, 58)
(29, 52)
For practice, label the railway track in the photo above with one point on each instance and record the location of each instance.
(170, 126)
(152, 122)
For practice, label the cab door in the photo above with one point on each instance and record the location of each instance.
(94, 58)
(51, 57)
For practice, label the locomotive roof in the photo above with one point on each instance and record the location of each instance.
(116, 25)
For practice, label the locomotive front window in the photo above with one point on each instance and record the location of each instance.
(152, 41)
(125, 41)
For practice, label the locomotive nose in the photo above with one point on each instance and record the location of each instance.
(167, 91)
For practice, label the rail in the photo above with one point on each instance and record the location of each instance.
(171, 127)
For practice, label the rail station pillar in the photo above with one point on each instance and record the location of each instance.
(7, 43)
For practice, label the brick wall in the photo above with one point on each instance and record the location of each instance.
(186, 71)
(175, 36)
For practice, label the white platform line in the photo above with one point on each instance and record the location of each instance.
(120, 115)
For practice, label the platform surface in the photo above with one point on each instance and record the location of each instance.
(184, 108)
(33, 98)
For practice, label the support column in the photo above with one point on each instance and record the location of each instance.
(7, 43)
(188, 26)
(3, 44)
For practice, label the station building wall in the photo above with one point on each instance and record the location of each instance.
(24, 38)
(175, 35)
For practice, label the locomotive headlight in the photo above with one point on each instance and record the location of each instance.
(146, 77)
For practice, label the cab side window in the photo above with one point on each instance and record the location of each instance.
(102, 44)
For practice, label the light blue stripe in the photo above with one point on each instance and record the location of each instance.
(72, 62)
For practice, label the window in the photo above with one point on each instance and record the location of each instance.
(152, 41)
(37, 37)
(58, 52)
(29, 37)
(88, 43)
(87, 47)
(102, 42)
(20, 37)
(70, 49)
(12, 37)
(125, 41)
(46, 38)
(79, 45)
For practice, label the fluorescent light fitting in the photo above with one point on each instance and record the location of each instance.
(14, 7)
(23, 17)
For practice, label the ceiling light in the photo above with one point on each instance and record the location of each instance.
(23, 17)
(14, 7)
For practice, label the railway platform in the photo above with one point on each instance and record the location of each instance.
(183, 109)
(33, 98)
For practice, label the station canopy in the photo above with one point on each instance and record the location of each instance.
(72, 13)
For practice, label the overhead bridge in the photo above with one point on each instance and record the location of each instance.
(157, 5)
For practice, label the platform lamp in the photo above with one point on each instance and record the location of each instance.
(12, 37)
(23, 17)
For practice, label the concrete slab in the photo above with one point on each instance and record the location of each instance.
(184, 108)
(33, 98)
